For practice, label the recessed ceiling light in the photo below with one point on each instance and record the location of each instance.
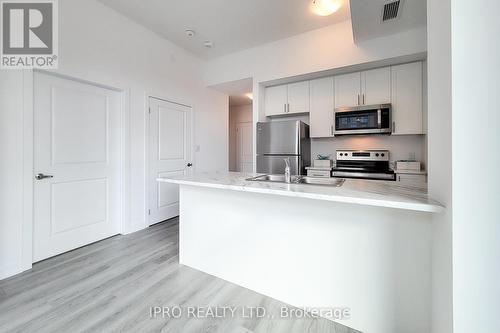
(208, 44)
(190, 33)
(325, 7)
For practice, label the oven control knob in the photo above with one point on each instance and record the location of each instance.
(383, 154)
(376, 154)
(341, 154)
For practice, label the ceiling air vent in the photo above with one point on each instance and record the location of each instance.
(391, 10)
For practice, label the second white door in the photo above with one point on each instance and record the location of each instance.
(170, 154)
(244, 138)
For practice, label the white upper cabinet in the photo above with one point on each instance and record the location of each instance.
(400, 85)
(276, 100)
(363, 88)
(298, 97)
(376, 86)
(287, 99)
(347, 90)
(407, 114)
(321, 115)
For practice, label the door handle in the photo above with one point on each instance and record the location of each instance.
(40, 176)
(190, 164)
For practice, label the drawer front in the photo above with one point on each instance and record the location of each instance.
(318, 173)
(407, 178)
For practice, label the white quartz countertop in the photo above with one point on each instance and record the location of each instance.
(355, 191)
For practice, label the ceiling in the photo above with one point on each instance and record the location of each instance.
(232, 25)
(367, 18)
(237, 91)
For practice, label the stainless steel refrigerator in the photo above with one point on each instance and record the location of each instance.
(278, 140)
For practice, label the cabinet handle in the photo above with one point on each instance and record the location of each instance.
(363, 99)
(288, 107)
(358, 99)
(331, 130)
(393, 127)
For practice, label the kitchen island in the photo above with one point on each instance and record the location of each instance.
(364, 246)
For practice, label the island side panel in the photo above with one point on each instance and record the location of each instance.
(311, 253)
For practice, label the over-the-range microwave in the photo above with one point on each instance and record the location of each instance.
(365, 119)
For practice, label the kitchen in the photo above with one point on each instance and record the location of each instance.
(249, 166)
(371, 105)
(346, 207)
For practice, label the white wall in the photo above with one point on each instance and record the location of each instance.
(476, 214)
(237, 114)
(322, 49)
(439, 154)
(11, 171)
(99, 45)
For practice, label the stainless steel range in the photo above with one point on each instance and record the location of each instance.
(367, 164)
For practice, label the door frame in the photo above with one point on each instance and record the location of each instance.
(147, 144)
(29, 162)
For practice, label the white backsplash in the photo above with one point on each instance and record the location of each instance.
(401, 147)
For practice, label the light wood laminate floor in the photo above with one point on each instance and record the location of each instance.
(111, 285)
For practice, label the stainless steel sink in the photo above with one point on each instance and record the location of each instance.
(272, 178)
(335, 182)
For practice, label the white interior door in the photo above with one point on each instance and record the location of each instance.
(170, 154)
(77, 142)
(244, 148)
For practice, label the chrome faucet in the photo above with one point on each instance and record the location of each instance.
(288, 176)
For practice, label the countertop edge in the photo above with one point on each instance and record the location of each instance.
(420, 207)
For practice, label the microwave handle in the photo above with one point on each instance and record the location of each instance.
(379, 118)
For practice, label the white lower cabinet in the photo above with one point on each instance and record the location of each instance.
(319, 173)
(411, 178)
(321, 116)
